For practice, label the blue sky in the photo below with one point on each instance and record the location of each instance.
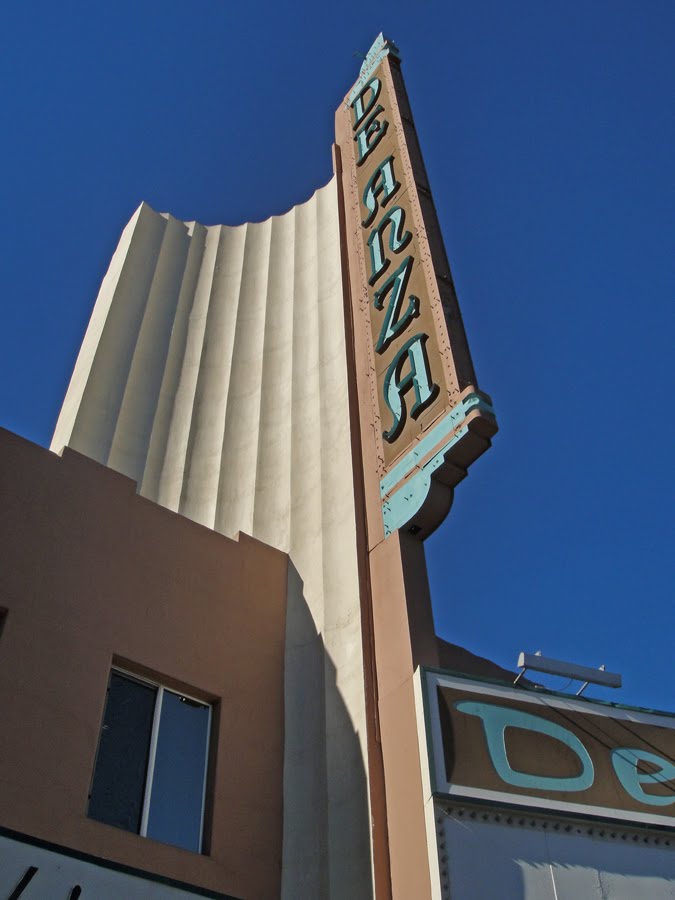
(548, 131)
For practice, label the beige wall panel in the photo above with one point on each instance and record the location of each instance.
(347, 789)
(238, 455)
(214, 369)
(226, 357)
(271, 520)
(183, 395)
(161, 428)
(95, 393)
(134, 424)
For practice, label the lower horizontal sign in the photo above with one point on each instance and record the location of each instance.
(35, 870)
(504, 744)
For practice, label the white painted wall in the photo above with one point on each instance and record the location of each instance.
(59, 873)
(514, 862)
(213, 372)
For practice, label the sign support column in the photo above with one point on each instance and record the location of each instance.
(418, 421)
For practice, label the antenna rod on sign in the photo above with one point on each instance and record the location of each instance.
(550, 666)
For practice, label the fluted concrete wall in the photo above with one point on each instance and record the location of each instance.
(213, 372)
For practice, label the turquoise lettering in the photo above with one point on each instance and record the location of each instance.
(361, 110)
(394, 323)
(496, 719)
(625, 762)
(368, 137)
(397, 241)
(382, 181)
(418, 377)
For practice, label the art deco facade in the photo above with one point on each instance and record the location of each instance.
(223, 560)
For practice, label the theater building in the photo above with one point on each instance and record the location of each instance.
(219, 674)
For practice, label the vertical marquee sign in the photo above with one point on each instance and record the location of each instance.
(429, 417)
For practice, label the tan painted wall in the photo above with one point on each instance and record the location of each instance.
(91, 573)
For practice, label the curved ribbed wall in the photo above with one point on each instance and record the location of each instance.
(213, 372)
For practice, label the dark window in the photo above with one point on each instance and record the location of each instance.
(150, 770)
(118, 788)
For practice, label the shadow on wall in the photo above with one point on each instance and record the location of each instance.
(611, 870)
(516, 862)
(326, 835)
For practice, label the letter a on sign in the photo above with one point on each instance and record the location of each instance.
(414, 353)
(496, 719)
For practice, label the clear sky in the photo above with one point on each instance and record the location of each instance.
(548, 131)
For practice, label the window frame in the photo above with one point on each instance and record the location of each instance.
(152, 752)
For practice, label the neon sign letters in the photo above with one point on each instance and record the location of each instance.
(497, 743)
(627, 762)
(394, 308)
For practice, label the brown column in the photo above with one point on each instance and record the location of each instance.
(397, 618)
(404, 639)
(400, 306)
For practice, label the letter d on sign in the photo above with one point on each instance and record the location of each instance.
(362, 109)
(496, 719)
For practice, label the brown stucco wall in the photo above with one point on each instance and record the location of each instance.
(93, 573)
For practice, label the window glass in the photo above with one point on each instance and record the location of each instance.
(121, 764)
(177, 792)
(150, 767)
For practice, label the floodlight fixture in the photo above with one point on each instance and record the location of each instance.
(549, 666)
